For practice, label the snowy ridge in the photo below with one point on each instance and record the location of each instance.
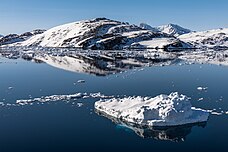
(207, 39)
(99, 33)
(163, 110)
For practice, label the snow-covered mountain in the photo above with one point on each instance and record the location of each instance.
(173, 29)
(1, 35)
(101, 33)
(13, 38)
(170, 29)
(217, 38)
(106, 34)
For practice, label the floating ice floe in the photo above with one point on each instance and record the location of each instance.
(62, 98)
(163, 110)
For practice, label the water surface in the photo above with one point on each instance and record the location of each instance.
(63, 126)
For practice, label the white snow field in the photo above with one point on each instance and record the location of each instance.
(207, 39)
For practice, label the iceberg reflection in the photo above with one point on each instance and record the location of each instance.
(174, 133)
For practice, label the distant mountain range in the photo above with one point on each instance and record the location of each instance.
(106, 34)
(13, 38)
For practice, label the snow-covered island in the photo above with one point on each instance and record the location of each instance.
(107, 34)
(163, 110)
(104, 34)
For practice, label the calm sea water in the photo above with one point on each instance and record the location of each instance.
(63, 126)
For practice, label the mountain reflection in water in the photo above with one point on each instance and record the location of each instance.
(100, 63)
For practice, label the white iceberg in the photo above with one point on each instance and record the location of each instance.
(163, 110)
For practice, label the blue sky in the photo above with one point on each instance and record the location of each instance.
(17, 16)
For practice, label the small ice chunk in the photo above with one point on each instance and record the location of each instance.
(200, 99)
(79, 104)
(163, 110)
(202, 88)
(216, 113)
(10, 88)
(81, 81)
